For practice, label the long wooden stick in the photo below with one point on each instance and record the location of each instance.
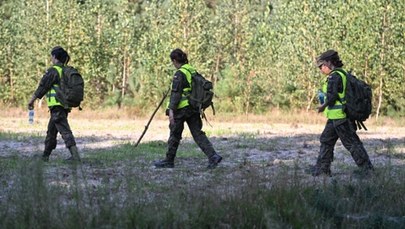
(153, 115)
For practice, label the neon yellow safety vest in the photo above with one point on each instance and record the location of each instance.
(51, 95)
(336, 111)
(187, 70)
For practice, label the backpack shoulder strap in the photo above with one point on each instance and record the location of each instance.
(343, 74)
(188, 70)
(60, 74)
(59, 69)
(340, 71)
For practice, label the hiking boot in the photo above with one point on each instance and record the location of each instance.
(42, 157)
(166, 163)
(316, 171)
(364, 171)
(72, 159)
(75, 154)
(369, 166)
(213, 161)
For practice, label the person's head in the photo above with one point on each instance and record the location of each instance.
(178, 58)
(328, 61)
(58, 54)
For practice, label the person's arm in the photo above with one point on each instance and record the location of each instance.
(176, 94)
(177, 90)
(334, 86)
(47, 80)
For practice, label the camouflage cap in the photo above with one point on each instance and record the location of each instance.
(326, 56)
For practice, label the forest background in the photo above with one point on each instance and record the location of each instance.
(259, 54)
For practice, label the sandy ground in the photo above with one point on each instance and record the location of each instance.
(261, 151)
(253, 142)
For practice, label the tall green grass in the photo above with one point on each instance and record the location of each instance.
(123, 191)
(19, 136)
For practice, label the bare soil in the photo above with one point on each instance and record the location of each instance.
(253, 141)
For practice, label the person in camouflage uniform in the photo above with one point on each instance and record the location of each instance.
(58, 121)
(179, 112)
(338, 126)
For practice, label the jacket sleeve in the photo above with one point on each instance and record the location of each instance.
(335, 85)
(48, 79)
(177, 90)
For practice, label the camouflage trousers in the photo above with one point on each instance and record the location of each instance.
(344, 130)
(194, 122)
(58, 123)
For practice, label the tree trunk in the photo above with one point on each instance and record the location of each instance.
(124, 77)
(382, 59)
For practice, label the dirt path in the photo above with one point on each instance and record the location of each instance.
(251, 143)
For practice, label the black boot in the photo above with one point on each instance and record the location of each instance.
(166, 163)
(44, 156)
(318, 171)
(75, 154)
(364, 170)
(213, 161)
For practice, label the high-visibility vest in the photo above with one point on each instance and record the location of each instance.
(337, 110)
(187, 70)
(51, 94)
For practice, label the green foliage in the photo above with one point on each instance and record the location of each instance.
(259, 54)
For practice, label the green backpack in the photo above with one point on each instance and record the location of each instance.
(201, 94)
(71, 88)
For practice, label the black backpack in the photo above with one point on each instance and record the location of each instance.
(71, 88)
(358, 99)
(201, 94)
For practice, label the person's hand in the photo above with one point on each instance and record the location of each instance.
(321, 108)
(31, 103)
(171, 117)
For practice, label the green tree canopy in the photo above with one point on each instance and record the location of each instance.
(259, 54)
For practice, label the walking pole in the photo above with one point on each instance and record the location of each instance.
(150, 120)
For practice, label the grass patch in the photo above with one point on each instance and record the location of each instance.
(16, 136)
(100, 196)
(394, 148)
(145, 151)
(128, 151)
(117, 185)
